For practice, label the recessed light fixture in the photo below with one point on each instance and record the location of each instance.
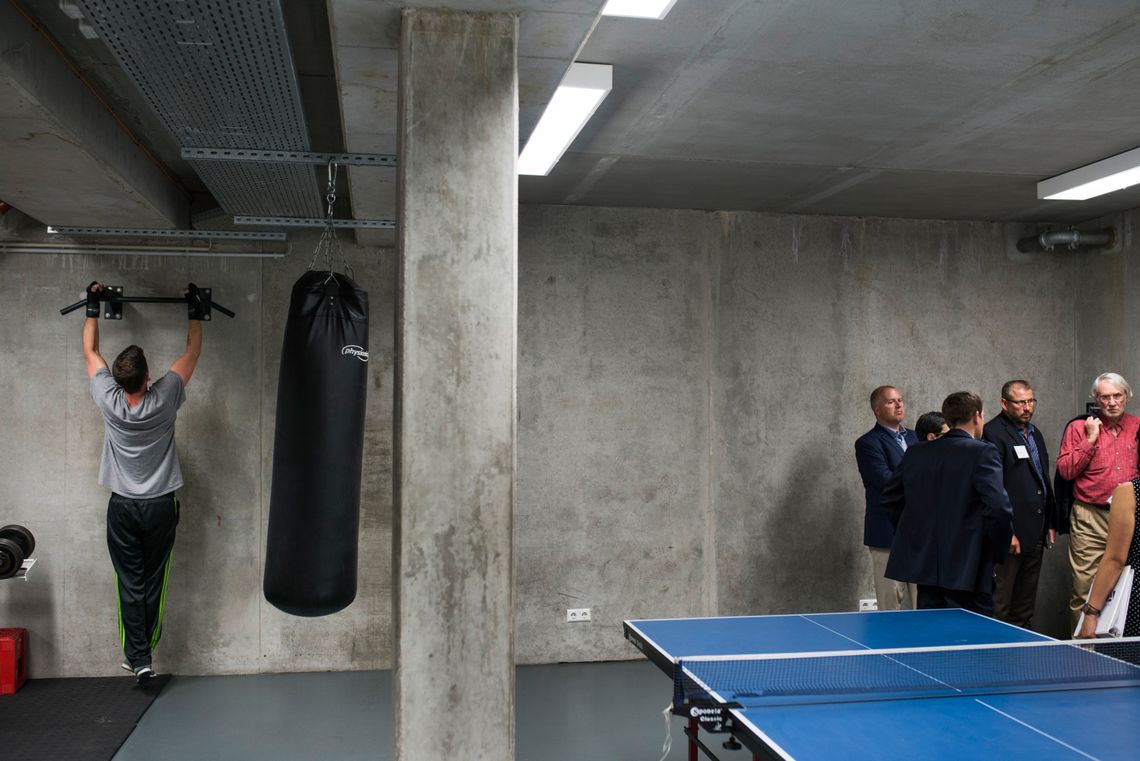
(1114, 173)
(654, 9)
(579, 94)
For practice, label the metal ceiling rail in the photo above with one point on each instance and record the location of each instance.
(9, 247)
(131, 232)
(289, 157)
(383, 224)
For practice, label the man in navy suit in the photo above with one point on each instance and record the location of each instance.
(953, 520)
(1025, 468)
(878, 453)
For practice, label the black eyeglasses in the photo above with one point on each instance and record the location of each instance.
(1021, 402)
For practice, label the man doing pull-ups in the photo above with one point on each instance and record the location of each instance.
(140, 467)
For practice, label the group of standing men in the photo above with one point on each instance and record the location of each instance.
(960, 513)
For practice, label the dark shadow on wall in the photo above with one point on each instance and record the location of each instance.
(806, 549)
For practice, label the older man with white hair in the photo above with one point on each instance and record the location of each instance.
(1097, 454)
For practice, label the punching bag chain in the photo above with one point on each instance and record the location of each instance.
(328, 237)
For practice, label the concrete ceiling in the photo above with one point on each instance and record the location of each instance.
(365, 38)
(906, 108)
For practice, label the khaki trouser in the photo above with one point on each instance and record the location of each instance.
(1087, 536)
(890, 594)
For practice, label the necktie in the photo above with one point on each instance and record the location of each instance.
(1034, 457)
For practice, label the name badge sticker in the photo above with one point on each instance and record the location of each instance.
(1021, 451)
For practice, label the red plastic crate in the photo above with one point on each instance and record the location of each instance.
(13, 660)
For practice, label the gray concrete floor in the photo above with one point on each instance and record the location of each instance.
(609, 711)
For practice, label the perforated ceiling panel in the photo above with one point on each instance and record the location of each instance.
(219, 74)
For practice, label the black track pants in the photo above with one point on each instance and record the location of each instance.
(140, 536)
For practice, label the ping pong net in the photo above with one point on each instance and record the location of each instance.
(900, 673)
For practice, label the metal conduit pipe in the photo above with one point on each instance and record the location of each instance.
(113, 249)
(1071, 239)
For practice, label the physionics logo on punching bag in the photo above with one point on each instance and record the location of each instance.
(355, 351)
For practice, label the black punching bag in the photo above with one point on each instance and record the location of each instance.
(314, 505)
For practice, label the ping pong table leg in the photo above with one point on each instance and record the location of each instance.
(693, 726)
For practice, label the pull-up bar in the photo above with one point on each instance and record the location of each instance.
(112, 299)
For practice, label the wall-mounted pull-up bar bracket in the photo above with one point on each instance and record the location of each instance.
(112, 299)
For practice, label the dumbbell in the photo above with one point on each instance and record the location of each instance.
(16, 544)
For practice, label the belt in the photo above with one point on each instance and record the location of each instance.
(1090, 504)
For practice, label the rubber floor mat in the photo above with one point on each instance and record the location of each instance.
(73, 719)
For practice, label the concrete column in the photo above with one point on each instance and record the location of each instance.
(455, 388)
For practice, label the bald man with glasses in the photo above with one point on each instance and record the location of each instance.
(1025, 475)
(1097, 454)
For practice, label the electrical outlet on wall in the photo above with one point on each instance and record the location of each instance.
(577, 615)
(868, 603)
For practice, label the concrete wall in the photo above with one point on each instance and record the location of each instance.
(690, 386)
(1107, 309)
(612, 501)
(812, 314)
(217, 620)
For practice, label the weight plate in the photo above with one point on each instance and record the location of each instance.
(10, 558)
(21, 536)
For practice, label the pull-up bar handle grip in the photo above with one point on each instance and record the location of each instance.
(73, 307)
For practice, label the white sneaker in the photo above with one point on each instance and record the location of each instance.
(144, 674)
(126, 667)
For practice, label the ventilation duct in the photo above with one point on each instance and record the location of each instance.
(1070, 239)
(219, 75)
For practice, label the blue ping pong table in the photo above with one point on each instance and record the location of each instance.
(1045, 722)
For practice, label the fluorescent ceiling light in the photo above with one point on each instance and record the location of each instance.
(582, 90)
(654, 9)
(1115, 173)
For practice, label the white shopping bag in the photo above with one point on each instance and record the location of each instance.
(1115, 610)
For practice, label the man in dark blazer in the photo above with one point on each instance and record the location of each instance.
(953, 520)
(1025, 469)
(877, 453)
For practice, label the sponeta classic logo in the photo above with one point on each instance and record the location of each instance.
(355, 351)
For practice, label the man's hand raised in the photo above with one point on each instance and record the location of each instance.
(195, 309)
(1092, 429)
(94, 291)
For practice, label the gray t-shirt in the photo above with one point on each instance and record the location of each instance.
(139, 458)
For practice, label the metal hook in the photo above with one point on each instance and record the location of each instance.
(330, 192)
(328, 235)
